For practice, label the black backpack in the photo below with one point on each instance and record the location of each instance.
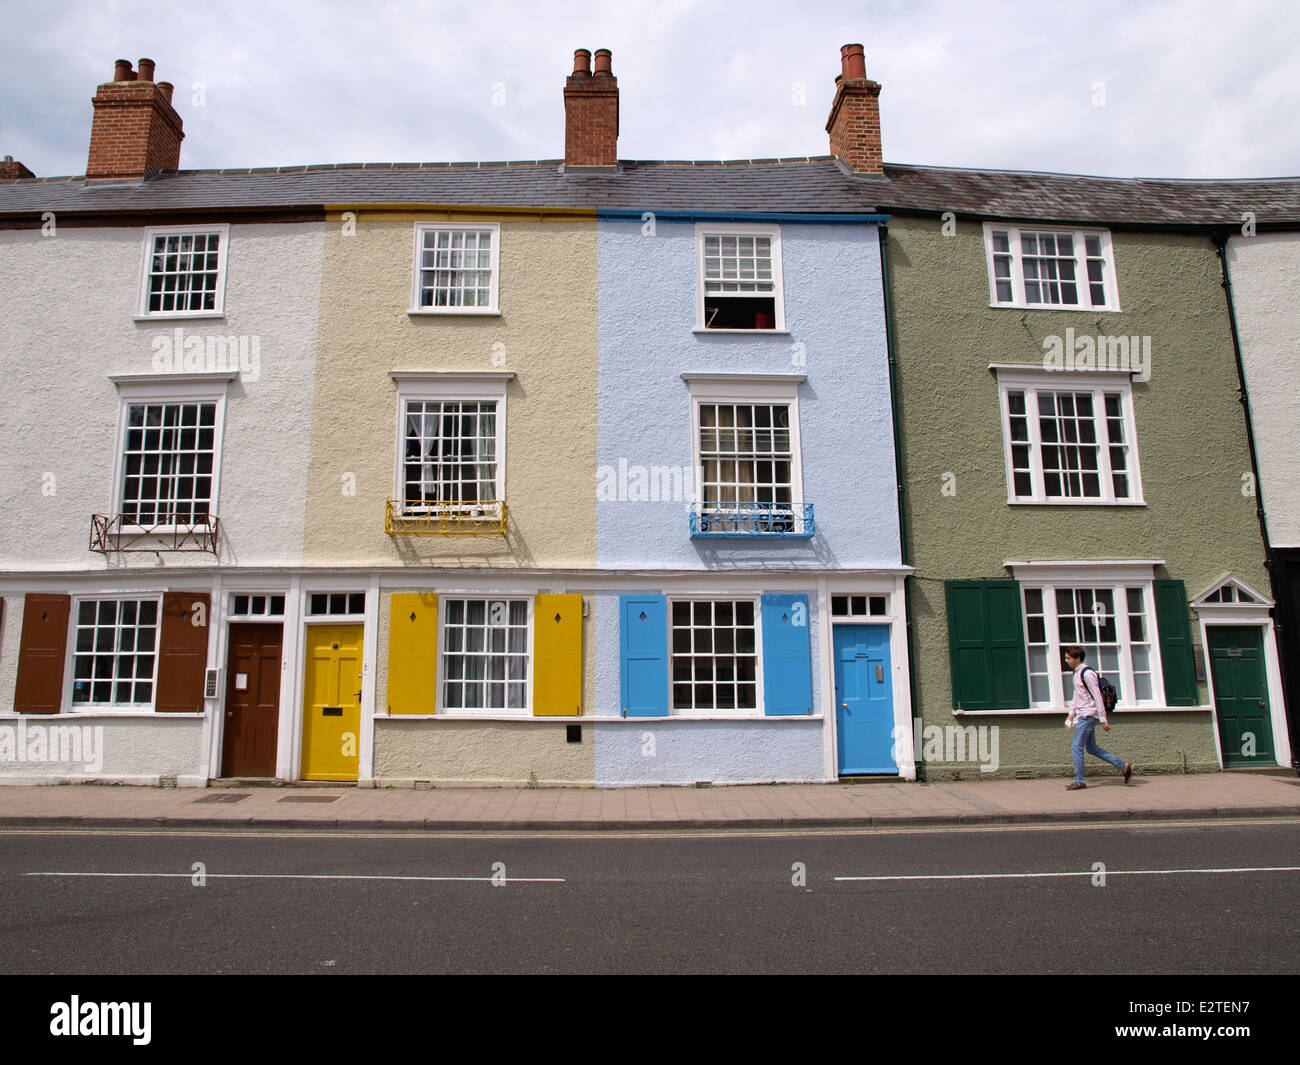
(1109, 696)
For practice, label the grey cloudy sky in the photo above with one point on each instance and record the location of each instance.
(1192, 88)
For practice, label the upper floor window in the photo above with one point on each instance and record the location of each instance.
(184, 271)
(451, 451)
(168, 463)
(1051, 268)
(747, 457)
(1069, 438)
(456, 268)
(739, 277)
(451, 454)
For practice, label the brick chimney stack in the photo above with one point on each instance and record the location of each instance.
(854, 125)
(591, 112)
(11, 169)
(135, 130)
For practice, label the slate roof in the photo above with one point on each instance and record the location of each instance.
(1011, 194)
(805, 185)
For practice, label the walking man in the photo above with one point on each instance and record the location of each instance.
(1086, 709)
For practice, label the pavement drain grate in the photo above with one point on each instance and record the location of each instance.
(309, 798)
(224, 797)
(976, 801)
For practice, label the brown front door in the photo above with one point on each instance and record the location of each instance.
(252, 701)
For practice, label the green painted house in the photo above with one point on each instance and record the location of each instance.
(1076, 470)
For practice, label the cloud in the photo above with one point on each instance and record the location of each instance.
(1187, 92)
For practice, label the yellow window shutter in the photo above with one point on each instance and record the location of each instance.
(413, 653)
(557, 655)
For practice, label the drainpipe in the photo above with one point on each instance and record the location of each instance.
(904, 554)
(1280, 599)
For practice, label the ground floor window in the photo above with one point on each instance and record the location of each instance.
(485, 654)
(115, 652)
(714, 654)
(1114, 624)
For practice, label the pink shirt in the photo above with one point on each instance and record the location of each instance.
(1087, 695)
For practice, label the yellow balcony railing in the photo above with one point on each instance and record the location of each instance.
(418, 518)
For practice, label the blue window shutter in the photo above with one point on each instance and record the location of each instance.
(787, 656)
(643, 647)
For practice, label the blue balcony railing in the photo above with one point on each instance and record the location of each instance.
(756, 520)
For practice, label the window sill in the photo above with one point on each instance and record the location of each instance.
(461, 715)
(1077, 502)
(1069, 309)
(1061, 711)
(742, 332)
(454, 312)
(99, 711)
(676, 716)
(177, 316)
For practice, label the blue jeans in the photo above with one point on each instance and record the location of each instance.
(1084, 728)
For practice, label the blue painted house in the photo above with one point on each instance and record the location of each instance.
(747, 494)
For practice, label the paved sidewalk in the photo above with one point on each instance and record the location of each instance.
(761, 806)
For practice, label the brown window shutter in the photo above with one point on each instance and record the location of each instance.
(41, 651)
(182, 653)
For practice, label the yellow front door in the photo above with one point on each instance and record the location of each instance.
(331, 729)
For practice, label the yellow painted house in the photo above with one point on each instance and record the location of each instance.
(453, 459)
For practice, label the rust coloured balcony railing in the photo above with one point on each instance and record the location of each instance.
(113, 533)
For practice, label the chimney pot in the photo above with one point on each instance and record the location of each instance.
(134, 133)
(11, 170)
(591, 112)
(853, 62)
(854, 124)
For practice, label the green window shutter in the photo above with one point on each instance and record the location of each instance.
(1176, 653)
(986, 645)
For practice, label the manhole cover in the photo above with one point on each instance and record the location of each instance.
(223, 796)
(309, 798)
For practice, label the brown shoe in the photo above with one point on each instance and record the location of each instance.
(1128, 771)
(1074, 785)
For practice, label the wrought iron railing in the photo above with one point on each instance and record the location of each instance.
(112, 533)
(415, 517)
(793, 520)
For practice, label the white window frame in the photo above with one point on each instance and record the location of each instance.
(161, 389)
(742, 388)
(759, 709)
(732, 229)
(421, 228)
(70, 705)
(267, 615)
(1117, 576)
(440, 707)
(346, 616)
(1031, 380)
(1018, 300)
(474, 388)
(222, 229)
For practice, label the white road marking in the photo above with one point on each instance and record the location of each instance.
(1085, 872)
(324, 876)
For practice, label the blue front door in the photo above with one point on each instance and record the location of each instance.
(864, 699)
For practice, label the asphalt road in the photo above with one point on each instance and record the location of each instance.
(678, 903)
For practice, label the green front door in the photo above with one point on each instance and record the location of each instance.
(1241, 694)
